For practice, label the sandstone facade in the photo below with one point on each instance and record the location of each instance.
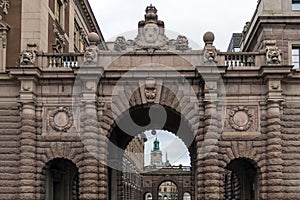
(63, 127)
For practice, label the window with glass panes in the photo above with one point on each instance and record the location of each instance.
(296, 57)
(58, 11)
(295, 4)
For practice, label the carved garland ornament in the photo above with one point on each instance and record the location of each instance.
(61, 119)
(240, 118)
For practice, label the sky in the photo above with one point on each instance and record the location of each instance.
(170, 144)
(191, 18)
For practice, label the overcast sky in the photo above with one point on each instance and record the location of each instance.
(170, 144)
(191, 18)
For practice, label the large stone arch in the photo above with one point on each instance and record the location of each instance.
(241, 149)
(61, 150)
(180, 103)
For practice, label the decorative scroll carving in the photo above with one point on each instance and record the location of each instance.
(273, 53)
(240, 118)
(4, 4)
(150, 90)
(61, 119)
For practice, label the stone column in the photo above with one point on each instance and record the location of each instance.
(211, 170)
(93, 178)
(199, 185)
(89, 173)
(274, 141)
(274, 151)
(28, 141)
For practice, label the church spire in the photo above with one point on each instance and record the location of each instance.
(156, 145)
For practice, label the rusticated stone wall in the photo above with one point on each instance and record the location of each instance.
(10, 124)
(291, 150)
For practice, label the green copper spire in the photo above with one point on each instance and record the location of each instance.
(156, 145)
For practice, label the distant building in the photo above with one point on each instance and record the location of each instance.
(156, 157)
(234, 45)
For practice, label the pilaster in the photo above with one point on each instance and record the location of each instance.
(274, 141)
(212, 176)
(93, 180)
(27, 170)
(273, 75)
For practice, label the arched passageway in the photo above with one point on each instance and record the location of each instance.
(125, 180)
(168, 191)
(241, 180)
(62, 180)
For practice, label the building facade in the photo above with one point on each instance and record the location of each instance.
(66, 118)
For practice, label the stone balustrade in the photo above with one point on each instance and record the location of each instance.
(229, 59)
(58, 60)
(240, 59)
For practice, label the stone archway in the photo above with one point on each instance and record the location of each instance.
(241, 180)
(61, 180)
(121, 179)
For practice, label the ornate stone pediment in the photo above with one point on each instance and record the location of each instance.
(151, 31)
(151, 37)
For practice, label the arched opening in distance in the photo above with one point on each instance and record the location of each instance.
(241, 180)
(163, 149)
(168, 191)
(62, 180)
(148, 196)
(187, 196)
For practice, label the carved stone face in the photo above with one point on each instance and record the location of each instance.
(151, 32)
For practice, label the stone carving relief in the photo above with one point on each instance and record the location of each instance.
(60, 40)
(147, 183)
(210, 51)
(91, 52)
(182, 43)
(241, 118)
(90, 55)
(4, 28)
(274, 85)
(28, 56)
(210, 54)
(246, 28)
(151, 32)
(4, 4)
(273, 53)
(120, 44)
(61, 119)
(151, 36)
(150, 90)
